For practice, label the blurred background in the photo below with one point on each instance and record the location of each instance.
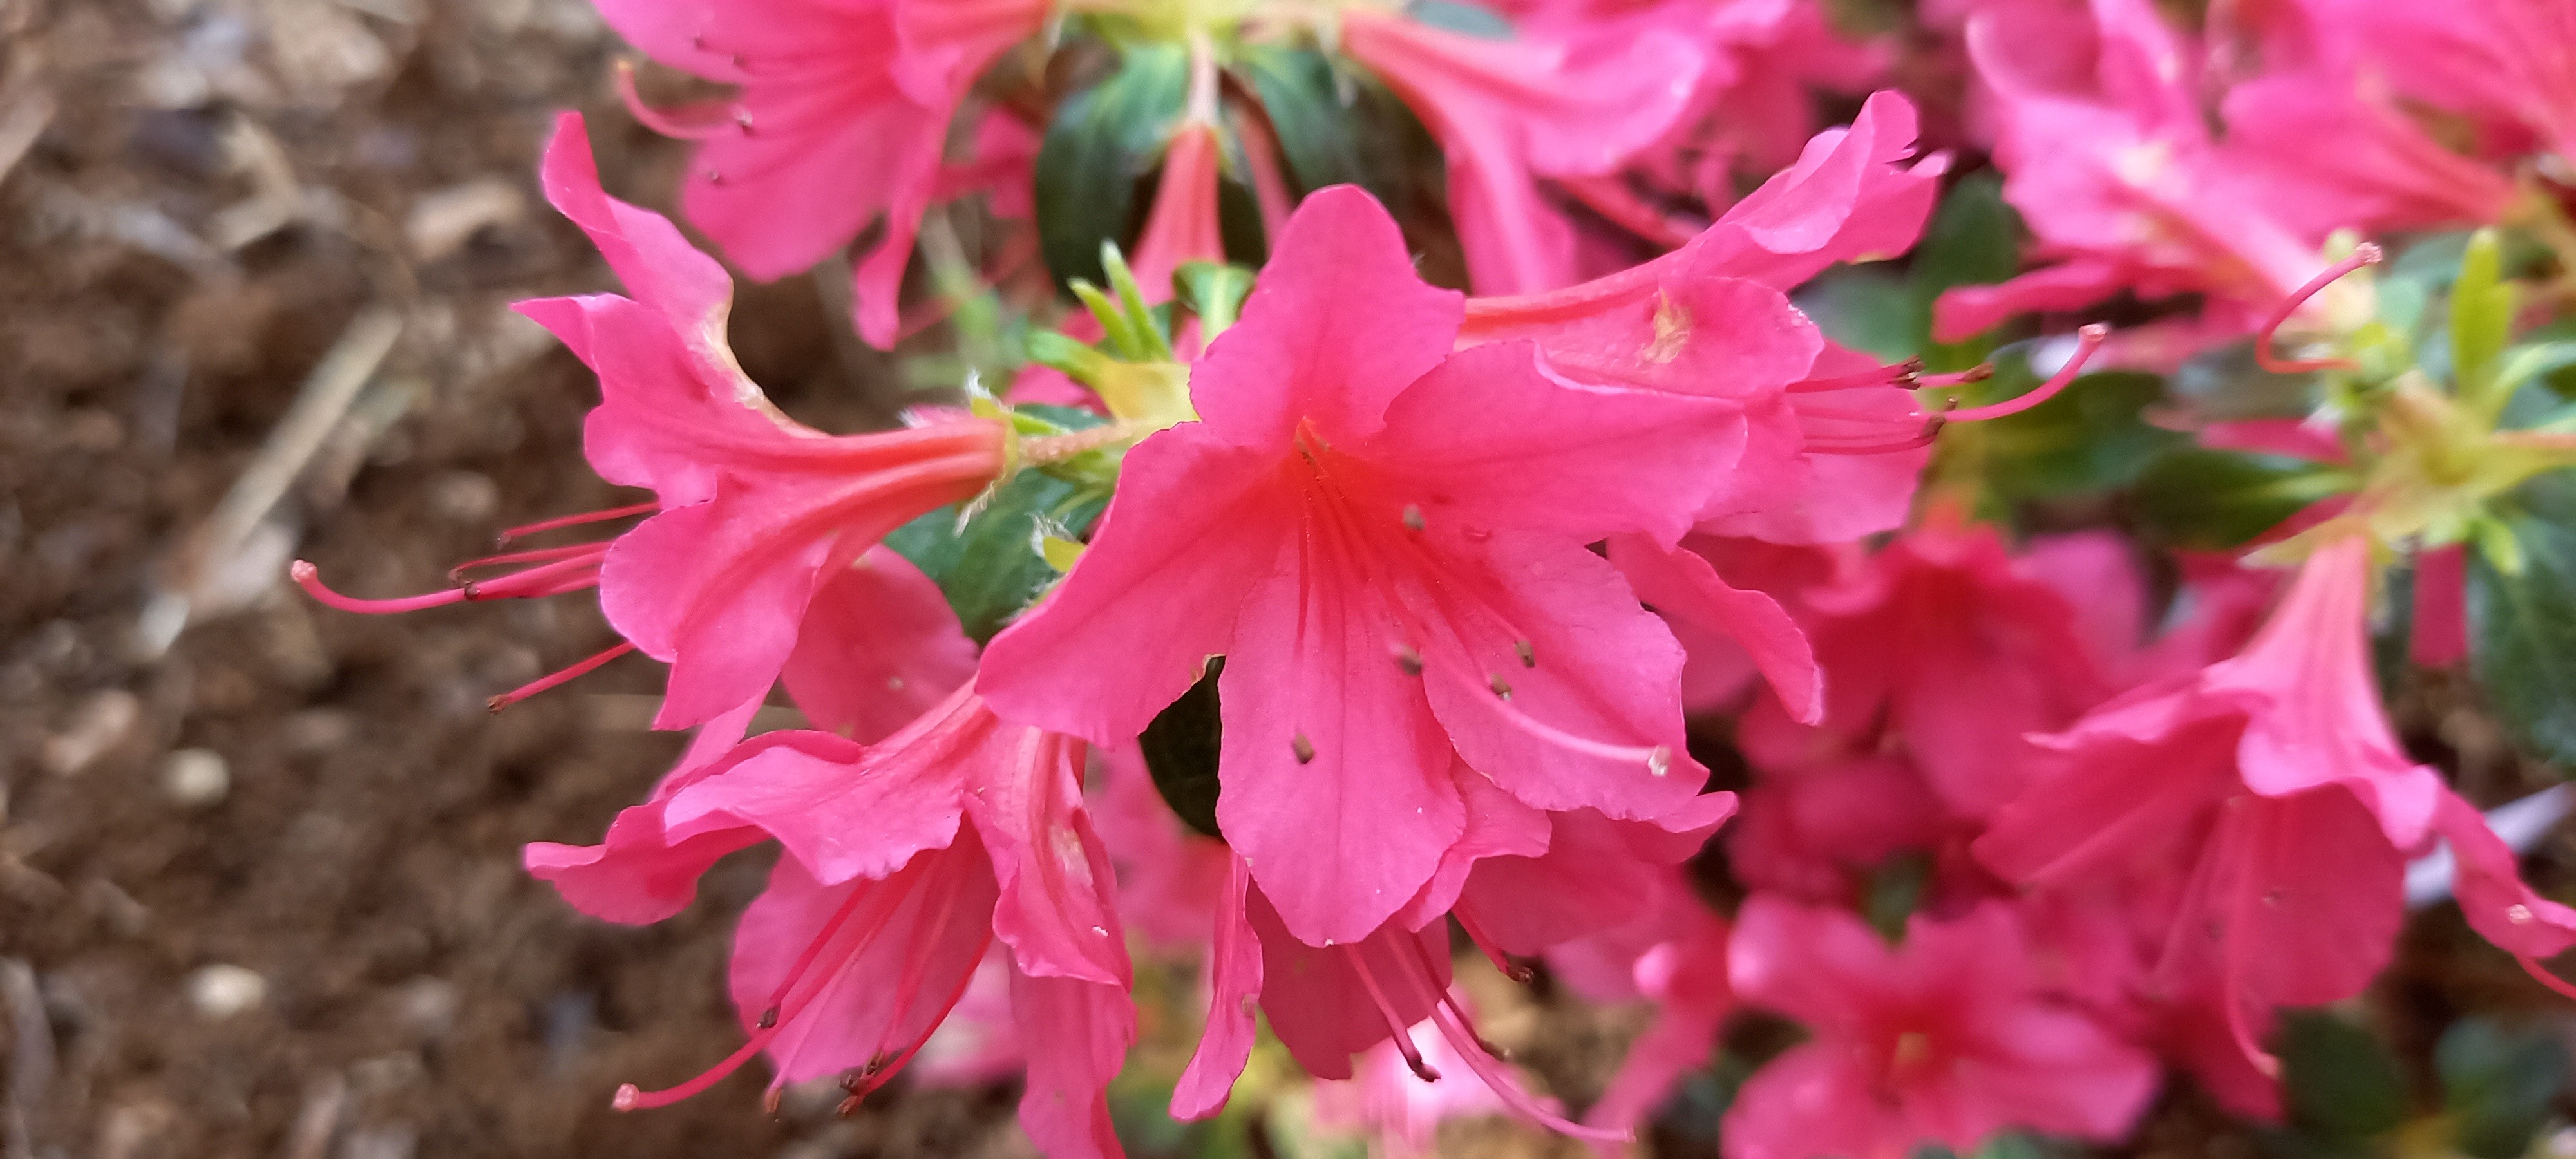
(259, 862)
(259, 884)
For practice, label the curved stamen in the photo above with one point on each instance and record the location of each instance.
(1396, 1030)
(526, 530)
(687, 123)
(575, 671)
(2087, 340)
(784, 1003)
(309, 578)
(1482, 1058)
(1978, 373)
(1503, 963)
(2367, 254)
(1900, 374)
(456, 575)
(2542, 975)
(1842, 447)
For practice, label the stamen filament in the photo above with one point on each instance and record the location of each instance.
(576, 520)
(2367, 254)
(1516, 971)
(309, 578)
(1395, 1027)
(1895, 375)
(673, 123)
(542, 683)
(2087, 340)
(456, 575)
(2541, 975)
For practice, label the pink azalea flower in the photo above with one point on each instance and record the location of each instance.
(753, 513)
(1169, 876)
(2274, 775)
(839, 117)
(1385, 541)
(1508, 112)
(1942, 1038)
(1830, 452)
(2106, 154)
(903, 861)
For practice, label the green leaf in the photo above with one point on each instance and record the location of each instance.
(2498, 1084)
(1303, 99)
(2339, 1079)
(990, 568)
(2092, 437)
(1101, 142)
(2522, 626)
(2481, 321)
(1893, 891)
(1461, 17)
(1180, 748)
(1973, 240)
(1868, 308)
(2218, 500)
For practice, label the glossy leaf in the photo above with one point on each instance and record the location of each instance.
(2220, 500)
(1180, 748)
(990, 567)
(1102, 141)
(2337, 1078)
(2499, 1084)
(2522, 623)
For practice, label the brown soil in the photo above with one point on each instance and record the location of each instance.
(211, 194)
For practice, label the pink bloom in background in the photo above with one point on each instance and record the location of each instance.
(903, 861)
(1942, 641)
(1675, 957)
(1509, 112)
(1942, 1038)
(840, 118)
(1183, 225)
(1387, 1101)
(1385, 540)
(2105, 151)
(2508, 66)
(754, 514)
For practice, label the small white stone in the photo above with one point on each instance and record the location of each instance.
(223, 990)
(196, 777)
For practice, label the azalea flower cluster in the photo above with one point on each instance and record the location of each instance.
(1307, 622)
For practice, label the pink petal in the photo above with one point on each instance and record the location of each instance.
(1336, 774)
(877, 647)
(1055, 909)
(1681, 584)
(637, 873)
(886, 959)
(2314, 715)
(1077, 1034)
(698, 587)
(659, 266)
(837, 811)
(1488, 437)
(1234, 986)
(2441, 622)
(1593, 719)
(1156, 594)
(1183, 224)
(2489, 885)
(1316, 1003)
(1337, 325)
